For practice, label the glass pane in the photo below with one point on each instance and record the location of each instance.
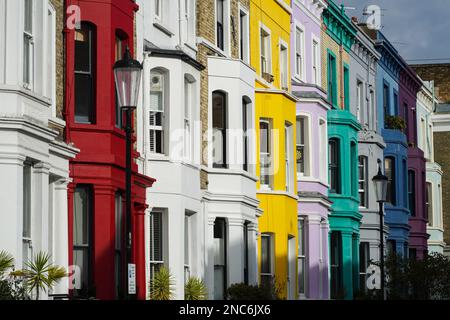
(264, 136)
(301, 275)
(218, 101)
(219, 243)
(81, 216)
(301, 237)
(26, 232)
(186, 240)
(28, 16)
(265, 254)
(156, 233)
(119, 220)
(83, 57)
(26, 59)
(219, 282)
(83, 98)
(80, 259)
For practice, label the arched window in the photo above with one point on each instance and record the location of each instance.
(219, 110)
(85, 74)
(158, 114)
(334, 165)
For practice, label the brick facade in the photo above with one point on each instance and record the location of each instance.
(440, 73)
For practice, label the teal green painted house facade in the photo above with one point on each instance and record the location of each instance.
(338, 34)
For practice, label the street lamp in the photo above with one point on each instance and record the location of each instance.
(381, 181)
(127, 75)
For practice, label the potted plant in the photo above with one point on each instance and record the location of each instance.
(195, 289)
(395, 122)
(162, 285)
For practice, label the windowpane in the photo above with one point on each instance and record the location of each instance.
(26, 232)
(220, 252)
(429, 203)
(219, 129)
(301, 145)
(266, 263)
(220, 23)
(156, 236)
(28, 16)
(84, 78)
(412, 192)
(362, 181)
(389, 169)
(334, 169)
(265, 156)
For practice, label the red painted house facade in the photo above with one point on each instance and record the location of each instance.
(96, 193)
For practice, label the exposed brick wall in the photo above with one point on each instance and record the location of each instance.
(441, 142)
(440, 73)
(59, 8)
(206, 29)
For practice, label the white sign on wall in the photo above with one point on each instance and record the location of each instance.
(131, 278)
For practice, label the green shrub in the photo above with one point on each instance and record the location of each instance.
(395, 122)
(242, 291)
(195, 289)
(162, 285)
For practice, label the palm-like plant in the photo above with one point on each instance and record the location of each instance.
(6, 262)
(41, 274)
(195, 289)
(161, 286)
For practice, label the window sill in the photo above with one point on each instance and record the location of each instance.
(157, 157)
(158, 25)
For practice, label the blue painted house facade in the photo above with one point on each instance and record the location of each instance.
(396, 152)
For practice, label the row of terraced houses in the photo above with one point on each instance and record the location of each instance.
(259, 127)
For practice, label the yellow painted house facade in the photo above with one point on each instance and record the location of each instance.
(275, 111)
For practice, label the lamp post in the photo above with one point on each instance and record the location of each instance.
(127, 75)
(381, 181)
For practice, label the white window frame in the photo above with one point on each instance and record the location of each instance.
(359, 100)
(27, 242)
(244, 49)
(156, 264)
(189, 86)
(226, 27)
(307, 146)
(189, 15)
(269, 154)
(159, 9)
(364, 181)
(163, 127)
(300, 73)
(28, 37)
(51, 56)
(268, 48)
(430, 203)
(323, 155)
(187, 245)
(284, 69)
(301, 258)
(316, 61)
(288, 156)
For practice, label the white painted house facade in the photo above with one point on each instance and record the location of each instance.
(168, 139)
(34, 162)
(426, 102)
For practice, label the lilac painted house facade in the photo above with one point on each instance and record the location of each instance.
(311, 150)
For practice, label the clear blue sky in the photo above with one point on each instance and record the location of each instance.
(419, 29)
